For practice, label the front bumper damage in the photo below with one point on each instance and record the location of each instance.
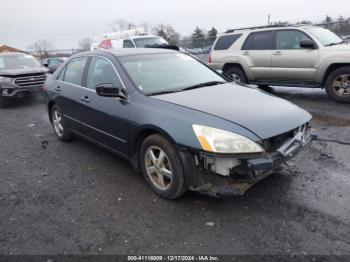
(224, 176)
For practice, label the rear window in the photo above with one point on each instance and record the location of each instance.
(259, 41)
(225, 41)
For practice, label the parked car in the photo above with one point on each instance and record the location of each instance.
(53, 63)
(182, 124)
(20, 75)
(303, 56)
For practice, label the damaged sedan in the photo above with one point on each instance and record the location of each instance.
(182, 124)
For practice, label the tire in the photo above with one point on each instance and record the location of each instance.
(338, 82)
(59, 128)
(263, 87)
(236, 74)
(166, 185)
(4, 103)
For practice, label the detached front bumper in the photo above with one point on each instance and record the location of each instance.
(202, 168)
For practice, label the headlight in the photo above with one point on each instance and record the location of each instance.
(4, 79)
(221, 141)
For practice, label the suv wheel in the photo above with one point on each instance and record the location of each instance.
(162, 167)
(338, 85)
(236, 74)
(61, 131)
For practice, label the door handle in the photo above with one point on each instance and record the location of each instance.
(278, 53)
(245, 53)
(85, 99)
(58, 88)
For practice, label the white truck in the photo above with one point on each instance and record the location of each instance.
(135, 38)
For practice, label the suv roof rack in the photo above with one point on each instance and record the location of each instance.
(259, 27)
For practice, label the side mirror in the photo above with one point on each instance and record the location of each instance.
(109, 90)
(46, 63)
(309, 44)
(53, 68)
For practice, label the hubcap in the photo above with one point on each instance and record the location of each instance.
(158, 167)
(341, 85)
(57, 123)
(235, 77)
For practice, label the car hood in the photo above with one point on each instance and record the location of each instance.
(263, 114)
(342, 47)
(23, 71)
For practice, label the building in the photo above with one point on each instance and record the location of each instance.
(7, 49)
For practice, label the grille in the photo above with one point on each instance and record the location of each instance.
(272, 144)
(31, 80)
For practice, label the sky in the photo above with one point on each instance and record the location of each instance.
(65, 22)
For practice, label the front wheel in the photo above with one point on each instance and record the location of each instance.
(338, 85)
(162, 167)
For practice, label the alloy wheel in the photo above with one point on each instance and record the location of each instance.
(235, 77)
(158, 167)
(341, 85)
(57, 123)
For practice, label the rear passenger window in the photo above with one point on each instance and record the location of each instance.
(259, 41)
(225, 41)
(75, 70)
(128, 44)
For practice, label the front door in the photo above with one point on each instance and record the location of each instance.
(290, 61)
(106, 118)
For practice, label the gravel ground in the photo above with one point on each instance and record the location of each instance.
(74, 198)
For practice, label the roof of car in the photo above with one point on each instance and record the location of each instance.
(132, 51)
(267, 28)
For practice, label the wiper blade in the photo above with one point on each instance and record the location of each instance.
(161, 93)
(211, 83)
(331, 44)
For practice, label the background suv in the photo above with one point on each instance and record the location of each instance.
(304, 56)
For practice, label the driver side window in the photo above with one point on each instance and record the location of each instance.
(102, 71)
(290, 39)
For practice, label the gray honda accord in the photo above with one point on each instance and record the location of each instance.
(183, 125)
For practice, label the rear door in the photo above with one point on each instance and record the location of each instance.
(257, 52)
(290, 61)
(68, 89)
(106, 118)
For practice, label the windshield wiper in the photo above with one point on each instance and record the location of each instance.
(339, 43)
(162, 93)
(211, 83)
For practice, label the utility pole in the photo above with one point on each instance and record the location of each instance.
(268, 20)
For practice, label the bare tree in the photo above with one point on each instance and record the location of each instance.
(85, 43)
(121, 24)
(41, 47)
(167, 32)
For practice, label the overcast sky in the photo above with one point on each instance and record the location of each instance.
(65, 22)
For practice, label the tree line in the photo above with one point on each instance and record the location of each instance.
(200, 38)
(339, 25)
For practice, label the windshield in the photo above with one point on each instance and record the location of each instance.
(18, 61)
(325, 36)
(143, 41)
(157, 73)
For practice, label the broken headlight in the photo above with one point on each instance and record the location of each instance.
(221, 141)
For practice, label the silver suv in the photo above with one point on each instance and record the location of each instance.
(303, 56)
